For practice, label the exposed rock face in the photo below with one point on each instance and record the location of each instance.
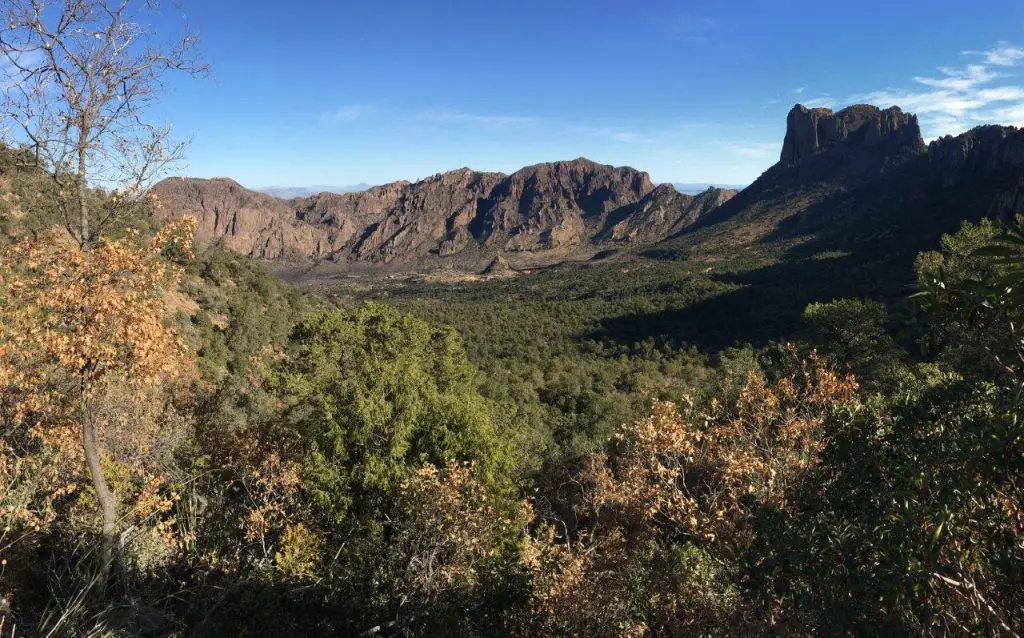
(863, 180)
(985, 147)
(563, 206)
(860, 177)
(550, 205)
(405, 221)
(661, 213)
(245, 221)
(812, 131)
(499, 266)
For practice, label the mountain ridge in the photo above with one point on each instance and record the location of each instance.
(861, 176)
(864, 176)
(547, 211)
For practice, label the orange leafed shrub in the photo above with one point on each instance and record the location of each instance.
(85, 337)
(268, 482)
(451, 528)
(686, 481)
(92, 314)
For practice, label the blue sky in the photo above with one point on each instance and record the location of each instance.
(341, 92)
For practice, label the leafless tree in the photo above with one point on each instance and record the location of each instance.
(79, 78)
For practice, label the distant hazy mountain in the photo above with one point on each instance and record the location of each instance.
(291, 192)
(698, 188)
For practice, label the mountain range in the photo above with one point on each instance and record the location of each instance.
(541, 213)
(860, 176)
(696, 188)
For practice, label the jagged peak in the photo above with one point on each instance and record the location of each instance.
(847, 111)
(462, 172)
(580, 162)
(715, 191)
(228, 181)
(581, 166)
(666, 187)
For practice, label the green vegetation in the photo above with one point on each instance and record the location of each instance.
(368, 469)
(802, 438)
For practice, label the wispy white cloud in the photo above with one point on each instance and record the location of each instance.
(959, 98)
(1001, 54)
(959, 79)
(1013, 114)
(824, 101)
(347, 113)
(455, 116)
(799, 90)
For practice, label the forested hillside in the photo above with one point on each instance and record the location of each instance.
(285, 467)
(799, 414)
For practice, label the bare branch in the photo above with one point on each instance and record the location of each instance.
(79, 78)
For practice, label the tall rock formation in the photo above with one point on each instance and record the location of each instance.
(862, 179)
(859, 127)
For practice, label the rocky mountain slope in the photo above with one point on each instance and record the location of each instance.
(549, 211)
(862, 178)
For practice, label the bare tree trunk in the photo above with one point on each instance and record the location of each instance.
(105, 497)
(90, 445)
(83, 205)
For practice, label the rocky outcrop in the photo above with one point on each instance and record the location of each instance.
(498, 266)
(552, 205)
(559, 206)
(861, 179)
(411, 221)
(985, 147)
(241, 220)
(661, 213)
(855, 128)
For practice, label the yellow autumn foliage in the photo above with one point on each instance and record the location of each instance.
(685, 481)
(87, 335)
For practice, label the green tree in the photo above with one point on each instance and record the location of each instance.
(913, 520)
(375, 394)
(973, 301)
(853, 332)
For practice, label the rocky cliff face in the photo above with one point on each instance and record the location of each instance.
(661, 213)
(857, 177)
(245, 221)
(982, 148)
(554, 205)
(404, 221)
(862, 179)
(855, 128)
(560, 207)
